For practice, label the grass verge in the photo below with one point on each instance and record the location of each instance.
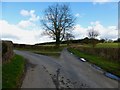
(99, 45)
(109, 66)
(44, 50)
(48, 53)
(12, 72)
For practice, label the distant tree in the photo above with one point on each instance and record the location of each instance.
(110, 41)
(85, 40)
(106, 40)
(118, 40)
(92, 34)
(102, 40)
(57, 20)
(68, 38)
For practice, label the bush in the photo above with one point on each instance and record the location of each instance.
(38, 47)
(108, 53)
(7, 51)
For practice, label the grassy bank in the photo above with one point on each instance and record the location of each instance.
(107, 45)
(12, 72)
(110, 66)
(44, 50)
(99, 45)
(48, 53)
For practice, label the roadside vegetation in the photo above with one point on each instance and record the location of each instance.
(48, 53)
(12, 72)
(53, 52)
(107, 45)
(49, 50)
(99, 45)
(107, 65)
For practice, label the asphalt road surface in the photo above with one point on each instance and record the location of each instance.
(64, 72)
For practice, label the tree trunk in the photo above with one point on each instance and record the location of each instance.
(57, 41)
(93, 43)
(68, 43)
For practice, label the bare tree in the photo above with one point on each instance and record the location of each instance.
(68, 38)
(92, 35)
(57, 20)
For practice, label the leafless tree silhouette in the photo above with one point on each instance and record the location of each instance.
(68, 38)
(57, 20)
(93, 34)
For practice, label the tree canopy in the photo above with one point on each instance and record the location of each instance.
(58, 20)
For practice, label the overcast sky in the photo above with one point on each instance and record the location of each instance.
(20, 21)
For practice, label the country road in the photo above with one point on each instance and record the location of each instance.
(64, 72)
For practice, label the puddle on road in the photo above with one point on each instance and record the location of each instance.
(107, 74)
(112, 76)
(96, 67)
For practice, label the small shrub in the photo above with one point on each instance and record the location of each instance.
(7, 51)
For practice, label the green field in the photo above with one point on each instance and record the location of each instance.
(110, 66)
(12, 72)
(99, 45)
(107, 45)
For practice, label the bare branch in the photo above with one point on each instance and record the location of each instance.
(60, 20)
(93, 33)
